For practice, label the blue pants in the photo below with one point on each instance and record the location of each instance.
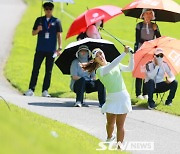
(81, 86)
(160, 88)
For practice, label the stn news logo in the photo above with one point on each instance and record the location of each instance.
(132, 146)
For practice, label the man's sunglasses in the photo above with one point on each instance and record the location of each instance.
(159, 55)
(48, 8)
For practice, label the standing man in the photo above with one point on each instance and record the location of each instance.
(48, 29)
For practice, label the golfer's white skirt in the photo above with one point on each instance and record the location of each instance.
(117, 103)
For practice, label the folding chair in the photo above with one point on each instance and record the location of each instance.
(161, 95)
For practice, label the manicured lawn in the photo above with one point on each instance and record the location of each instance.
(23, 132)
(19, 66)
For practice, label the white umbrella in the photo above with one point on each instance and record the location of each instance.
(63, 1)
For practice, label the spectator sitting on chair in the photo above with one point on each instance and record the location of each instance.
(155, 72)
(82, 81)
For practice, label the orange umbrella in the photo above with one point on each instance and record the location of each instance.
(171, 48)
(165, 10)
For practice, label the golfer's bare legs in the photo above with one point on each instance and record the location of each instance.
(111, 119)
(120, 119)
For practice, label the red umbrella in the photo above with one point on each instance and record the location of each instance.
(171, 48)
(165, 10)
(92, 16)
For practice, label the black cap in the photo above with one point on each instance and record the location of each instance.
(48, 4)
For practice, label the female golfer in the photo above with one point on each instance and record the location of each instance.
(118, 102)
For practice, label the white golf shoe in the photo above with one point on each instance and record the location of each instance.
(29, 92)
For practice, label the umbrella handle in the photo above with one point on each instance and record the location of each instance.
(130, 50)
(41, 12)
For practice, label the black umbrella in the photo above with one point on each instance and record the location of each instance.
(69, 53)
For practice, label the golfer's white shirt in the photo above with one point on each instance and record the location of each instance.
(157, 73)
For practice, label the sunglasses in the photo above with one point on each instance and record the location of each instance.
(159, 55)
(48, 8)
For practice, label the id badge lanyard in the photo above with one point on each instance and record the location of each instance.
(156, 76)
(47, 26)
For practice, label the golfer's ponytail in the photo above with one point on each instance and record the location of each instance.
(90, 66)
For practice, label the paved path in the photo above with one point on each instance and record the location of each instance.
(141, 125)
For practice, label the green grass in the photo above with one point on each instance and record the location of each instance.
(19, 66)
(23, 132)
